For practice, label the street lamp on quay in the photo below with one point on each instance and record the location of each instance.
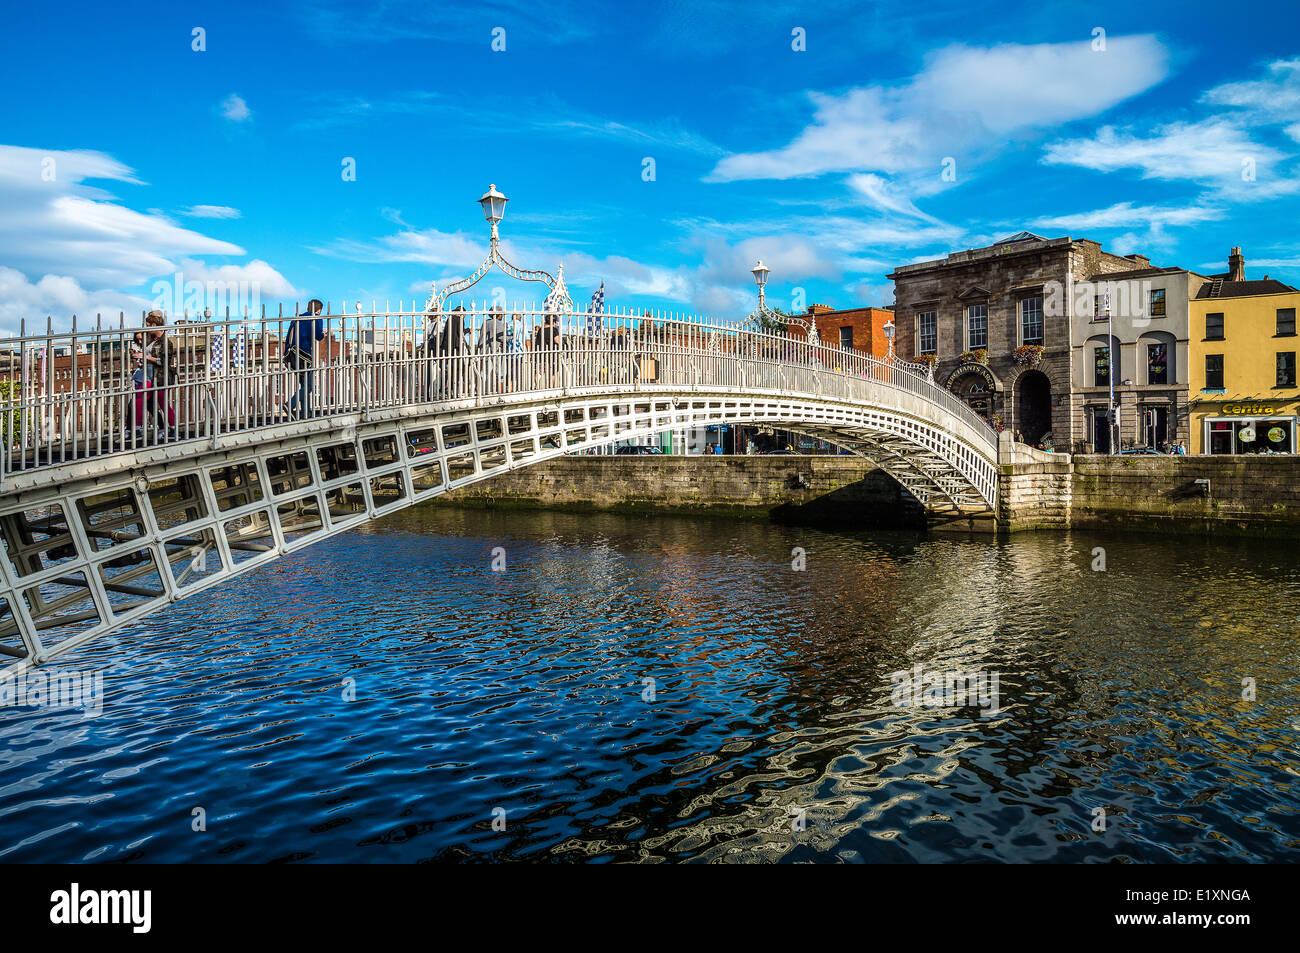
(761, 272)
(888, 328)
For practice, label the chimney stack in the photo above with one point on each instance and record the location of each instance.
(819, 309)
(1236, 265)
(1142, 261)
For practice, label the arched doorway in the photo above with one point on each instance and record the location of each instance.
(1033, 406)
(977, 389)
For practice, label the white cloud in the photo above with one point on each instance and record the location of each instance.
(63, 227)
(963, 99)
(1210, 150)
(1277, 96)
(235, 109)
(1226, 152)
(212, 211)
(1015, 86)
(429, 246)
(885, 196)
(1127, 215)
(268, 282)
(75, 245)
(57, 297)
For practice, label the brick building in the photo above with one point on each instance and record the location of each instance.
(861, 329)
(997, 324)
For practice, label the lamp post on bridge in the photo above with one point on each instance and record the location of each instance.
(761, 272)
(494, 210)
(888, 328)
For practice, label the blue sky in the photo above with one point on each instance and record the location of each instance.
(1178, 139)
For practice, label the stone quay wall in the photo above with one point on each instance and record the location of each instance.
(800, 487)
(1249, 495)
(1244, 495)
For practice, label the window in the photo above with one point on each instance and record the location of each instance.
(1157, 302)
(1031, 320)
(928, 332)
(977, 326)
(1285, 322)
(846, 337)
(1214, 327)
(1101, 366)
(1286, 369)
(1214, 372)
(1157, 364)
(1100, 307)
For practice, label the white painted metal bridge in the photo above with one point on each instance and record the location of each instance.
(116, 501)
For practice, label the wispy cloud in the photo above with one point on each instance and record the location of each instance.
(1226, 152)
(964, 97)
(394, 21)
(1207, 151)
(1128, 215)
(212, 211)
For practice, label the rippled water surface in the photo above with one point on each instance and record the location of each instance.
(528, 692)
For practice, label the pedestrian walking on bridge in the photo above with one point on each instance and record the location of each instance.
(300, 355)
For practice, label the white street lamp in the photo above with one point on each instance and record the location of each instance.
(888, 328)
(760, 272)
(494, 207)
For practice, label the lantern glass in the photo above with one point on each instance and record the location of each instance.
(761, 272)
(494, 205)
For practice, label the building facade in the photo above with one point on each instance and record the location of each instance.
(861, 329)
(1243, 346)
(997, 325)
(1130, 351)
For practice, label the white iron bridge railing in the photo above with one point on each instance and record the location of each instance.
(82, 393)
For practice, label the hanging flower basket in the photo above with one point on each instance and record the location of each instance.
(929, 360)
(978, 356)
(1027, 355)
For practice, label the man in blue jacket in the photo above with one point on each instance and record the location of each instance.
(300, 355)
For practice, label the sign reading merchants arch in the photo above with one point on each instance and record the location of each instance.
(973, 368)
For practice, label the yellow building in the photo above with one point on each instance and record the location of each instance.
(1243, 395)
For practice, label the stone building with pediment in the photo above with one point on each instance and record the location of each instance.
(996, 323)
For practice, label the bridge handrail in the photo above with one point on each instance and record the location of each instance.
(72, 393)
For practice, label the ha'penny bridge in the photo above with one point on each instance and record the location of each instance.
(103, 523)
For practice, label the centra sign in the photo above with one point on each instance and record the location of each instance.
(1248, 410)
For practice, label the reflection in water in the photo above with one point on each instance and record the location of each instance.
(524, 691)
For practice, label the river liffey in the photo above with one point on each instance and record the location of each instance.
(671, 689)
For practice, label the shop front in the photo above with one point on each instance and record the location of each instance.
(1247, 427)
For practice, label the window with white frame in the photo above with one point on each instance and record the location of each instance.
(927, 332)
(977, 326)
(1101, 306)
(1031, 320)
